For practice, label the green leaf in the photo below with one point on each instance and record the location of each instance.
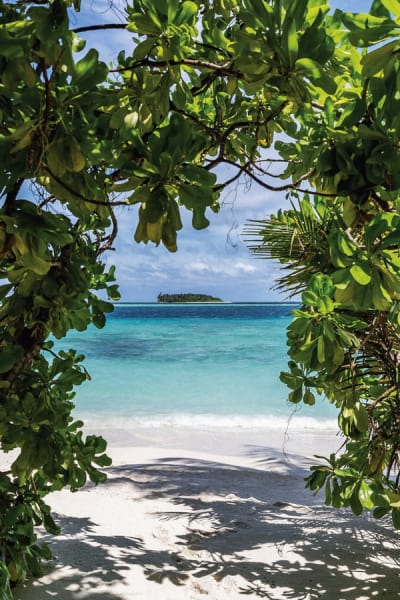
(309, 398)
(345, 246)
(321, 349)
(199, 220)
(103, 460)
(349, 212)
(394, 499)
(355, 504)
(49, 524)
(393, 6)
(367, 29)
(360, 273)
(292, 43)
(325, 305)
(361, 419)
(291, 381)
(87, 67)
(144, 24)
(315, 43)
(199, 175)
(380, 512)
(296, 396)
(187, 13)
(316, 480)
(338, 354)
(312, 70)
(309, 297)
(341, 473)
(375, 61)
(365, 495)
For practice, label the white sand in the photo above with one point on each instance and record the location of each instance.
(191, 514)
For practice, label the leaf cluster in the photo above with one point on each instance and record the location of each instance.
(340, 250)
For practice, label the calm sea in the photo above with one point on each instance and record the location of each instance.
(200, 365)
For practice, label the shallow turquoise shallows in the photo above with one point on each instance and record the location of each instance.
(201, 365)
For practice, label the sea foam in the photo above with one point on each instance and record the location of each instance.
(211, 422)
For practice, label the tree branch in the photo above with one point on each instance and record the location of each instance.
(69, 189)
(193, 118)
(191, 62)
(281, 188)
(109, 240)
(385, 394)
(11, 197)
(99, 27)
(223, 185)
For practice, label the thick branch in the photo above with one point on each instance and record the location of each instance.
(11, 196)
(99, 27)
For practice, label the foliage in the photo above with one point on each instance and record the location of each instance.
(189, 297)
(341, 251)
(207, 83)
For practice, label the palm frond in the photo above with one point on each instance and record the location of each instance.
(297, 239)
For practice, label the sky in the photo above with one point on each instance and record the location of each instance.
(213, 261)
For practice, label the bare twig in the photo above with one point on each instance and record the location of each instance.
(109, 240)
(222, 69)
(385, 394)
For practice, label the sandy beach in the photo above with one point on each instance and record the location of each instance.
(223, 514)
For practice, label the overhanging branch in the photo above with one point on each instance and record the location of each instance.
(86, 28)
(223, 69)
(69, 189)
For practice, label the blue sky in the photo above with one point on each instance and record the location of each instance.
(214, 261)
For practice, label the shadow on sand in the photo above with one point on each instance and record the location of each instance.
(256, 523)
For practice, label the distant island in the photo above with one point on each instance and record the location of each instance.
(170, 298)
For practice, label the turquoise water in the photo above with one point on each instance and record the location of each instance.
(198, 365)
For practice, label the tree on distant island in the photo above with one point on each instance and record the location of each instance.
(188, 297)
(207, 85)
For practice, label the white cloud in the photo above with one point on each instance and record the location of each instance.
(214, 260)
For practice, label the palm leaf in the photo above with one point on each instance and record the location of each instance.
(297, 239)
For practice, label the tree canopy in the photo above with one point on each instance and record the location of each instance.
(295, 97)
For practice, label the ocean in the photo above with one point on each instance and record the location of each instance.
(191, 365)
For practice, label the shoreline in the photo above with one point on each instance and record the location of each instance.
(188, 515)
(206, 423)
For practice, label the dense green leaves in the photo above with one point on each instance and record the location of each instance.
(341, 252)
